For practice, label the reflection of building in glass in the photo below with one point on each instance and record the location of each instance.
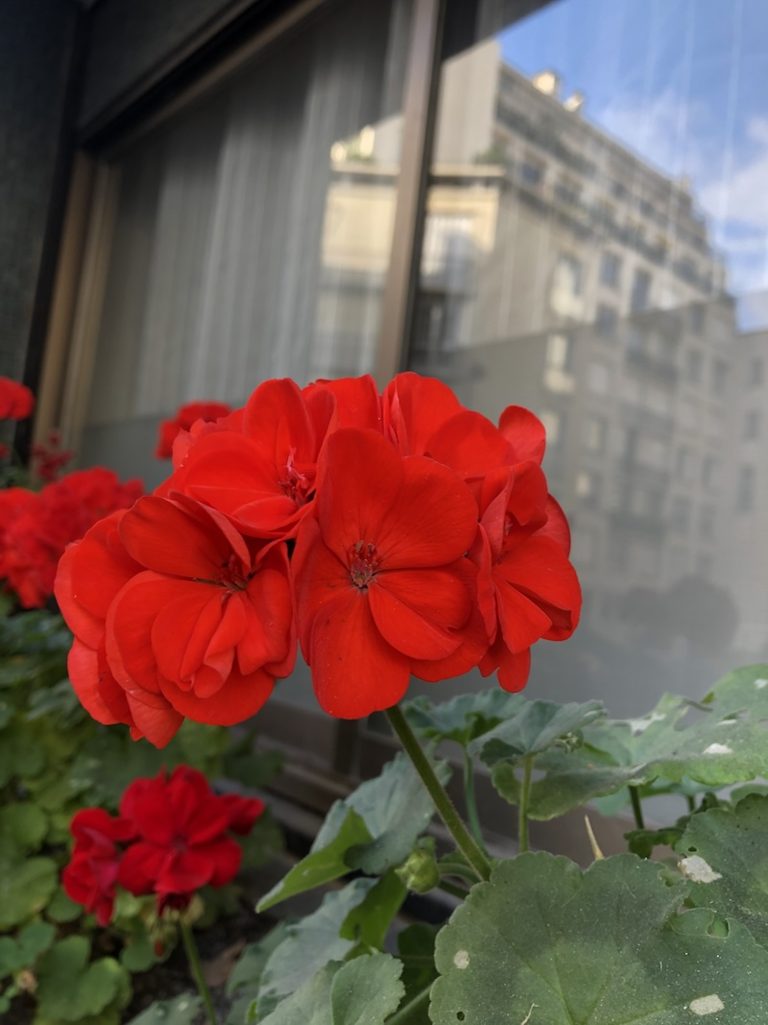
(561, 271)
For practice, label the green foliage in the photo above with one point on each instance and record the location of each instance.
(362, 992)
(612, 944)
(724, 852)
(372, 830)
(463, 718)
(71, 987)
(55, 759)
(536, 726)
(182, 1010)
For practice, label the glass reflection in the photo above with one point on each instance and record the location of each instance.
(595, 248)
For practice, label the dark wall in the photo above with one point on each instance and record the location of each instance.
(131, 38)
(36, 46)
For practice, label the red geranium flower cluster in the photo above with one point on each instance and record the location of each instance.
(173, 835)
(16, 400)
(36, 526)
(49, 458)
(395, 534)
(186, 416)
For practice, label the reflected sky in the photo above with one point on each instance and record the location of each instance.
(683, 84)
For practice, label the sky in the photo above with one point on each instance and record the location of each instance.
(683, 83)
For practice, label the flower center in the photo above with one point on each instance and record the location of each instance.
(231, 575)
(295, 484)
(364, 561)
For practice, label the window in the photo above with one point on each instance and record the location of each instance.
(707, 521)
(599, 377)
(567, 285)
(641, 291)
(751, 425)
(560, 352)
(531, 171)
(595, 433)
(554, 427)
(709, 471)
(694, 362)
(610, 269)
(606, 320)
(719, 377)
(756, 371)
(588, 487)
(681, 513)
(697, 318)
(683, 462)
(745, 489)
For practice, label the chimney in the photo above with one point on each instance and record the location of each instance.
(575, 102)
(547, 82)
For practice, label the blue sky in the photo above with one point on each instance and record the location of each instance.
(684, 83)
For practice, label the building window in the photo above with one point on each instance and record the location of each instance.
(610, 269)
(595, 434)
(588, 486)
(560, 352)
(554, 427)
(599, 378)
(606, 320)
(751, 425)
(681, 513)
(694, 362)
(568, 276)
(697, 318)
(708, 471)
(641, 291)
(745, 489)
(531, 171)
(756, 371)
(719, 377)
(707, 521)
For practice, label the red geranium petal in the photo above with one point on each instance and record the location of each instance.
(524, 432)
(240, 697)
(407, 630)
(539, 567)
(141, 866)
(432, 521)
(354, 671)
(183, 627)
(522, 621)
(414, 408)
(158, 721)
(161, 536)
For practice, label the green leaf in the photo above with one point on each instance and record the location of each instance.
(181, 1010)
(20, 756)
(254, 769)
(463, 718)
(570, 780)
(610, 946)
(25, 888)
(322, 865)
(368, 923)
(310, 944)
(22, 829)
(23, 950)
(534, 727)
(62, 908)
(643, 841)
(245, 978)
(725, 854)
(372, 830)
(70, 988)
(362, 992)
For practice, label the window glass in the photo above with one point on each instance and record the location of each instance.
(624, 154)
(253, 232)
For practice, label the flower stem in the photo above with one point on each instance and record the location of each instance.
(522, 808)
(469, 796)
(445, 806)
(637, 808)
(196, 970)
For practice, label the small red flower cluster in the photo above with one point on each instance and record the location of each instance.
(186, 416)
(16, 400)
(49, 458)
(394, 534)
(36, 526)
(171, 837)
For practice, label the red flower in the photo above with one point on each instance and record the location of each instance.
(37, 526)
(91, 875)
(186, 617)
(527, 588)
(185, 417)
(382, 585)
(16, 400)
(183, 836)
(50, 458)
(262, 477)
